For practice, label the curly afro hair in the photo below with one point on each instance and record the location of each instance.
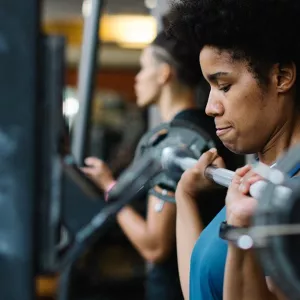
(177, 53)
(261, 32)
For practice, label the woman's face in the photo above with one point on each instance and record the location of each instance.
(246, 115)
(147, 85)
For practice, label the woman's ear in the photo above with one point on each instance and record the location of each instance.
(286, 76)
(165, 73)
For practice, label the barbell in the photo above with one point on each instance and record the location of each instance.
(275, 226)
(177, 146)
(174, 134)
(176, 160)
(177, 135)
(275, 229)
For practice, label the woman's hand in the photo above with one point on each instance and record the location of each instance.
(239, 206)
(193, 181)
(99, 172)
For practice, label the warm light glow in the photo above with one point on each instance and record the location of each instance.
(131, 45)
(133, 30)
(130, 31)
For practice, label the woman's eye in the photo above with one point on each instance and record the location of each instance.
(225, 89)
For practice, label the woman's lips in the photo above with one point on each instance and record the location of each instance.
(222, 131)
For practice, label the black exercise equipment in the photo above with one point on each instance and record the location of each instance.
(45, 197)
(35, 177)
(87, 68)
(19, 49)
(174, 135)
(144, 173)
(278, 217)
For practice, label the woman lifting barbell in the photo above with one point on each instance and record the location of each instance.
(249, 53)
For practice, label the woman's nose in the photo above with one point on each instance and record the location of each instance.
(214, 107)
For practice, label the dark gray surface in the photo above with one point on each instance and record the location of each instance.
(19, 99)
(86, 80)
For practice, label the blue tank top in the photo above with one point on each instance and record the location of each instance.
(208, 260)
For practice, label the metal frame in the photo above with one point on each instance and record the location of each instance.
(86, 80)
(51, 147)
(18, 146)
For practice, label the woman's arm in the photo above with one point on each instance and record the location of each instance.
(188, 222)
(154, 237)
(244, 277)
(188, 229)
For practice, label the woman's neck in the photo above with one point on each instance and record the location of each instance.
(284, 137)
(170, 104)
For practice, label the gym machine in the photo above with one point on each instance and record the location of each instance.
(37, 226)
(49, 208)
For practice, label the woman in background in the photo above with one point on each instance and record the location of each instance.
(168, 77)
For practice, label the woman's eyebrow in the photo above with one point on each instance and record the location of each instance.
(216, 76)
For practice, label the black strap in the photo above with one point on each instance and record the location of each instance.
(225, 229)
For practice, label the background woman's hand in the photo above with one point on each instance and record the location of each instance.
(193, 181)
(99, 172)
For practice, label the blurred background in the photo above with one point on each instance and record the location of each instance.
(110, 270)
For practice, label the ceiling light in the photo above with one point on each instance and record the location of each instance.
(126, 30)
(130, 31)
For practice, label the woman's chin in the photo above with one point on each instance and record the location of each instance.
(234, 147)
(141, 103)
(239, 149)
